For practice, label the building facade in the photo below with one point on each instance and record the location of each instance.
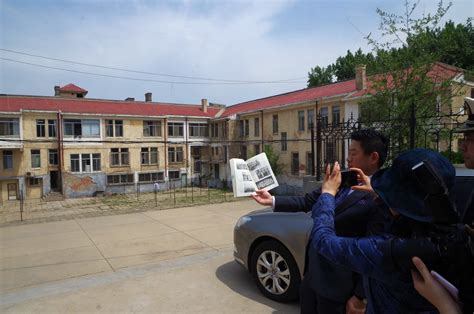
(83, 147)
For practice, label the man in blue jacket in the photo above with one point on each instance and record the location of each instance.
(327, 288)
(388, 289)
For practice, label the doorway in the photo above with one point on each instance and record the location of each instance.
(54, 180)
(12, 191)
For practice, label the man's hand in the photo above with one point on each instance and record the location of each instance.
(355, 306)
(364, 182)
(431, 289)
(332, 180)
(262, 197)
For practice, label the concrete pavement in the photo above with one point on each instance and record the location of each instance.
(177, 260)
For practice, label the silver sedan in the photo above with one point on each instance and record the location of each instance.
(272, 247)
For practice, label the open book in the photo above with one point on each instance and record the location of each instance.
(251, 174)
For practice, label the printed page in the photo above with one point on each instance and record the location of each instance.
(261, 172)
(242, 182)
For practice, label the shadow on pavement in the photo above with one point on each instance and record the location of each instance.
(240, 281)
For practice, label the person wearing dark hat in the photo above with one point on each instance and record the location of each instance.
(467, 148)
(388, 287)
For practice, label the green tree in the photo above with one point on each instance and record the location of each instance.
(320, 76)
(273, 159)
(409, 82)
(344, 68)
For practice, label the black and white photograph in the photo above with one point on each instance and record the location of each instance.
(265, 182)
(248, 187)
(263, 172)
(246, 177)
(254, 164)
(242, 166)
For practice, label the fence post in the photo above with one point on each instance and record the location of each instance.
(174, 192)
(412, 125)
(138, 191)
(21, 205)
(192, 192)
(318, 148)
(208, 193)
(313, 155)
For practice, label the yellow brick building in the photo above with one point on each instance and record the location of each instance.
(82, 147)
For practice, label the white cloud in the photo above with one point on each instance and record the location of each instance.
(228, 40)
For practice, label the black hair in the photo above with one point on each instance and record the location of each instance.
(371, 141)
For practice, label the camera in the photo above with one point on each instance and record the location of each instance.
(348, 178)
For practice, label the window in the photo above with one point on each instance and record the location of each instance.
(9, 127)
(81, 128)
(152, 128)
(284, 142)
(247, 128)
(309, 163)
(336, 115)
(215, 151)
(310, 118)
(198, 130)
(52, 128)
(35, 158)
(34, 181)
(301, 120)
(275, 123)
(215, 130)
(295, 163)
(151, 177)
(175, 129)
(175, 154)
(256, 124)
(173, 174)
(40, 128)
(117, 179)
(243, 152)
(256, 148)
(119, 157)
(324, 117)
(149, 156)
(85, 162)
(114, 128)
(196, 151)
(7, 159)
(53, 157)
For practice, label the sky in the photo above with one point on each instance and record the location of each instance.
(272, 44)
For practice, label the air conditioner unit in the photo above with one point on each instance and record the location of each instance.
(29, 174)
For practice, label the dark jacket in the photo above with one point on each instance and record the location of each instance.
(354, 218)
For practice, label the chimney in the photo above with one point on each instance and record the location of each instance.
(148, 96)
(204, 104)
(56, 90)
(361, 77)
(130, 99)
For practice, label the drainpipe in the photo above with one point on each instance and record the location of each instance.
(60, 150)
(261, 126)
(166, 147)
(186, 144)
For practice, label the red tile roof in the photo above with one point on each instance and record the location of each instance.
(106, 107)
(303, 95)
(72, 88)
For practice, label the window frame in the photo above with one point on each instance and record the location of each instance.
(256, 131)
(275, 124)
(35, 156)
(120, 154)
(51, 154)
(202, 129)
(284, 141)
(173, 126)
(152, 128)
(9, 127)
(147, 156)
(7, 158)
(295, 168)
(93, 158)
(40, 127)
(174, 153)
(301, 120)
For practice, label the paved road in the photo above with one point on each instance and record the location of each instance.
(177, 260)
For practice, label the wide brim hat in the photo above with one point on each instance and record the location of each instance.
(399, 188)
(469, 107)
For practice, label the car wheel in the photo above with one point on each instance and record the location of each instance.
(275, 271)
